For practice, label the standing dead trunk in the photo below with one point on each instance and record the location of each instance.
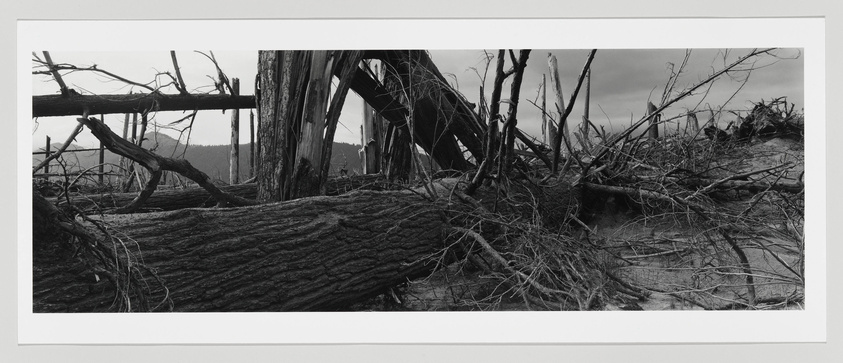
(282, 74)
(296, 121)
(371, 141)
(397, 154)
(234, 160)
(693, 122)
(560, 101)
(512, 114)
(306, 177)
(251, 144)
(47, 155)
(654, 121)
(586, 108)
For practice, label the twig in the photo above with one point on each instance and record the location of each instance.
(506, 264)
(699, 210)
(220, 74)
(94, 68)
(682, 95)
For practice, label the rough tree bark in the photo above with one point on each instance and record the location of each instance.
(281, 81)
(370, 137)
(320, 253)
(167, 200)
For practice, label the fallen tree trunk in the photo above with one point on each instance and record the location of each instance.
(75, 105)
(167, 200)
(320, 253)
(161, 200)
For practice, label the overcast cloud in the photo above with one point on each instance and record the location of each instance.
(622, 83)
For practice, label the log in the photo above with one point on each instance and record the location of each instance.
(161, 200)
(74, 105)
(309, 254)
(168, 200)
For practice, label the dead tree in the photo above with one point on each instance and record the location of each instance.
(442, 117)
(294, 101)
(653, 130)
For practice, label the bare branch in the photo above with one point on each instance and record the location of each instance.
(667, 104)
(61, 149)
(181, 86)
(557, 144)
(155, 163)
(54, 71)
(223, 79)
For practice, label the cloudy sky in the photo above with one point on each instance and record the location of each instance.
(622, 83)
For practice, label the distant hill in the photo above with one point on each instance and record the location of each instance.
(211, 159)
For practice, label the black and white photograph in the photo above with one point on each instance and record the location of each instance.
(532, 183)
(418, 180)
